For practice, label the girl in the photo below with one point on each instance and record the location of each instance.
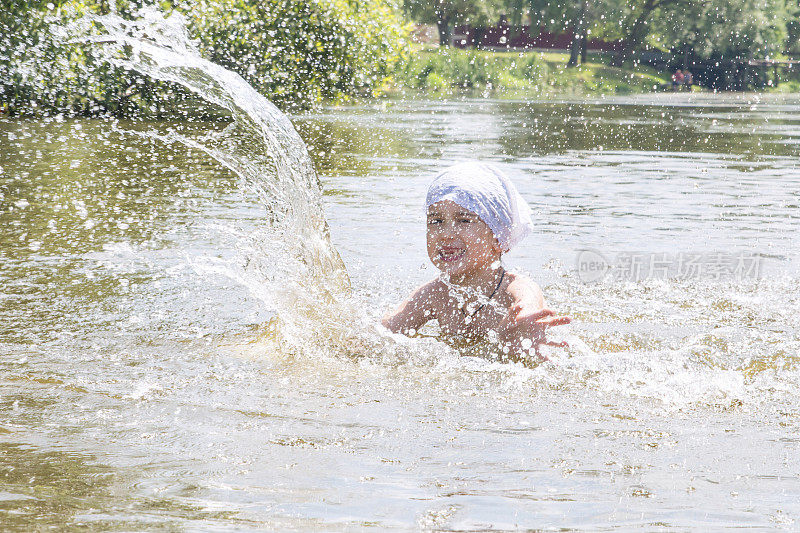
(474, 216)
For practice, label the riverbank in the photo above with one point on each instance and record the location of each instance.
(444, 71)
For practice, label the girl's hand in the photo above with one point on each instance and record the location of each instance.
(522, 324)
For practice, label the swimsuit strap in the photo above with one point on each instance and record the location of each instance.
(475, 312)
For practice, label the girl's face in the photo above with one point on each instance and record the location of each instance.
(459, 242)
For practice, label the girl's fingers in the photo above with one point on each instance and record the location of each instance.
(543, 318)
(555, 321)
(562, 344)
(511, 318)
(536, 315)
(513, 315)
(513, 312)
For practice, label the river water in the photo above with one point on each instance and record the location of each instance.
(149, 381)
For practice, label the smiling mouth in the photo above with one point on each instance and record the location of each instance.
(450, 255)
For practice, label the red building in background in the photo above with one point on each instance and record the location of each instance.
(520, 37)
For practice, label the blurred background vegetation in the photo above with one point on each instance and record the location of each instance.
(299, 53)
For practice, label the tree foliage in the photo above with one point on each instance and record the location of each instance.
(449, 13)
(728, 28)
(298, 52)
(703, 31)
(295, 52)
(40, 73)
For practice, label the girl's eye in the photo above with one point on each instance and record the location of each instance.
(434, 221)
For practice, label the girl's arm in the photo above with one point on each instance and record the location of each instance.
(527, 320)
(413, 313)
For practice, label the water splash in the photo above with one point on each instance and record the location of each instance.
(291, 265)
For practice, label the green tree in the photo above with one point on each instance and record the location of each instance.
(728, 29)
(562, 16)
(516, 10)
(636, 26)
(598, 18)
(580, 25)
(40, 73)
(295, 52)
(298, 52)
(793, 27)
(447, 14)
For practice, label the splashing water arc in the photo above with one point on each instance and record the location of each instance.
(260, 145)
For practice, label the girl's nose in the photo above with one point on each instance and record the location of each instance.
(448, 228)
(449, 233)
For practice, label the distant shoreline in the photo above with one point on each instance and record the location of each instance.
(442, 72)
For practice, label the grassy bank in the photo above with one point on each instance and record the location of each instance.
(786, 87)
(443, 71)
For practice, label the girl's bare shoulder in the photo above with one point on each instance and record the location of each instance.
(424, 304)
(521, 288)
(434, 291)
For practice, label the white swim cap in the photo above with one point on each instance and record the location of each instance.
(487, 192)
